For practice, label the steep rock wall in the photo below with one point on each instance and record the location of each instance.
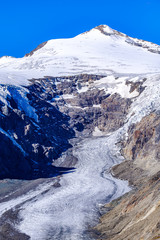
(136, 214)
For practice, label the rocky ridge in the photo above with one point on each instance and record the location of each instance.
(136, 214)
(133, 41)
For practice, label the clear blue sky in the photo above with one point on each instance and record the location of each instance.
(26, 23)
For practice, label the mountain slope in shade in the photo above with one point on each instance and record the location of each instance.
(98, 51)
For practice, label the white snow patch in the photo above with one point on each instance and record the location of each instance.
(19, 96)
(97, 132)
(112, 85)
(67, 96)
(83, 89)
(97, 105)
(107, 29)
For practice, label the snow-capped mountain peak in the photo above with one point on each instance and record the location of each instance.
(101, 50)
(105, 28)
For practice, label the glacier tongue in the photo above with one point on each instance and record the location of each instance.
(66, 212)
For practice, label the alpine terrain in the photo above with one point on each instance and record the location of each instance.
(80, 140)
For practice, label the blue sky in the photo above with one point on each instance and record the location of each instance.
(25, 24)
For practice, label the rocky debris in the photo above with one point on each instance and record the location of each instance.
(133, 216)
(58, 86)
(7, 229)
(136, 214)
(93, 107)
(127, 170)
(143, 144)
(97, 109)
(136, 85)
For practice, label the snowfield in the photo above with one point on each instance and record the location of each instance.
(93, 52)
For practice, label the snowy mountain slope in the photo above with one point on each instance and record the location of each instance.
(99, 51)
(52, 114)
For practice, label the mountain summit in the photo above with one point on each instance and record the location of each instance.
(98, 51)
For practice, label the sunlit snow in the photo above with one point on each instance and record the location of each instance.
(93, 52)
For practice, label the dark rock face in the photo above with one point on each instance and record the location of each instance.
(143, 145)
(7, 230)
(136, 85)
(89, 109)
(133, 216)
(13, 162)
(60, 110)
(127, 170)
(28, 148)
(37, 48)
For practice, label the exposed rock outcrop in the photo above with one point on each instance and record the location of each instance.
(133, 216)
(36, 49)
(33, 144)
(38, 129)
(7, 230)
(136, 214)
(143, 144)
